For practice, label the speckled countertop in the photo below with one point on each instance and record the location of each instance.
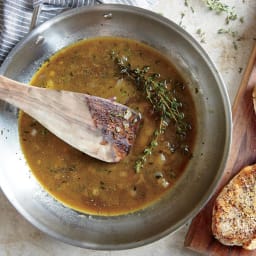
(230, 52)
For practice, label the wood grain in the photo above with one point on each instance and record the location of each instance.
(243, 152)
(86, 122)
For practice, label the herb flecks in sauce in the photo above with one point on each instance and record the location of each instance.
(87, 184)
(161, 95)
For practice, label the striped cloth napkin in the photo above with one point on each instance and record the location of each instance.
(16, 15)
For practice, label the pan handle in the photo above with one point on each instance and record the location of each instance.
(37, 11)
(35, 16)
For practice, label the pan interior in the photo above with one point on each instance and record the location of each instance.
(210, 153)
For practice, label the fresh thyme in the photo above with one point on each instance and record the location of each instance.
(161, 98)
(228, 31)
(201, 34)
(139, 164)
(241, 19)
(181, 19)
(233, 34)
(219, 7)
(187, 4)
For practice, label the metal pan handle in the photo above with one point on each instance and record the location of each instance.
(37, 11)
(35, 16)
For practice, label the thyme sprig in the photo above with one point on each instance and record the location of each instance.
(219, 7)
(139, 164)
(162, 100)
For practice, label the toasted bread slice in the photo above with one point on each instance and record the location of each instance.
(234, 211)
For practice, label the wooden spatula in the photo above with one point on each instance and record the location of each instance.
(98, 127)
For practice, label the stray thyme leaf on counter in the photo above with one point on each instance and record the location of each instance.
(201, 34)
(162, 99)
(181, 19)
(231, 33)
(187, 4)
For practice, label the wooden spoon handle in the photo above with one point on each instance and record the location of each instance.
(98, 127)
(16, 93)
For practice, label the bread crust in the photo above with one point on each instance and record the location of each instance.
(234, 211)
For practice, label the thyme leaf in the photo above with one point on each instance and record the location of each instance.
(181, 19)
(201, 34)
(162, 100)
(231, 33)
(187, 4)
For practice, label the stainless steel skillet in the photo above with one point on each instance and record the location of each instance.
(212, 143)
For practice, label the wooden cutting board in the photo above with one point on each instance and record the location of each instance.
(243, 152)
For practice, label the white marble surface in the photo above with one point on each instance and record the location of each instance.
(18, 237)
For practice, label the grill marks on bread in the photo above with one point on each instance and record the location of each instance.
(234, 211)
